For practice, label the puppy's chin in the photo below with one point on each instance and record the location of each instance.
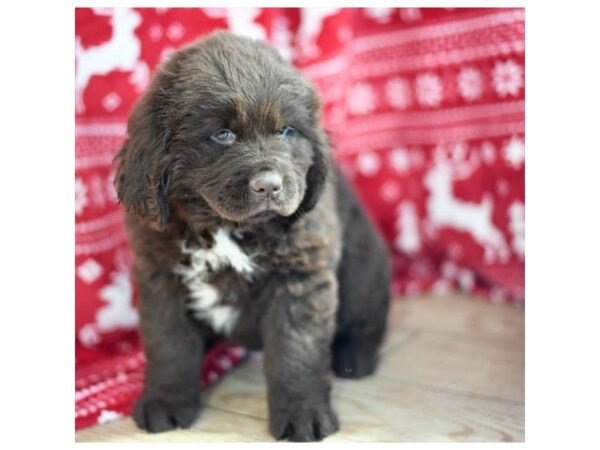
(261, 212)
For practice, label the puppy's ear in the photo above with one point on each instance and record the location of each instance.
(142, 177)
(319, 170)
(317, 173)
(315, 177)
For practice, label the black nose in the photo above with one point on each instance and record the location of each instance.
(266, 183)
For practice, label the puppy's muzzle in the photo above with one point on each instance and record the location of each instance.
(266, 184)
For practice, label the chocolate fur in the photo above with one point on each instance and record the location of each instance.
(319, 296)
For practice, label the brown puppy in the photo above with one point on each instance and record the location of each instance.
(241, 227)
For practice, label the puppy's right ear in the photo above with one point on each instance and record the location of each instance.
(142, 176)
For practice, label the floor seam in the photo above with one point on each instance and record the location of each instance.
(454, 391)
(220, 408)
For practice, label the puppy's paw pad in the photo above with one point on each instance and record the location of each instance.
(156, 415)
(304, 424)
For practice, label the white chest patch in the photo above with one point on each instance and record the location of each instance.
(204, 297)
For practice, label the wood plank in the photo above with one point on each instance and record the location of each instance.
(213, 425)
(384, 409)
(461, 314)
(387, 410)
(396, 333)
(476, 366)
(452, 370)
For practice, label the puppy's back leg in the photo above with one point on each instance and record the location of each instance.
(359, 336)
(364, 291)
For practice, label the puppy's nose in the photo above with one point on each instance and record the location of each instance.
(266, 183)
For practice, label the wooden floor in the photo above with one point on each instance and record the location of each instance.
(452, 370)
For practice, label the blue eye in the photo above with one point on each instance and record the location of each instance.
(223, 137)
(287, 132)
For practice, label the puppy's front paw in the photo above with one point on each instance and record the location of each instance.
(161, 413)
(302, 421)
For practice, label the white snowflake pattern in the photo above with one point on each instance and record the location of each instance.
(155, 32)
(89, 271)
(397, 91)
(175, 31)
(508, 78)
(429, 90)
(503, 187)
(89, 336)
(399, 159)
(368, 164)
(97, 191)
(111, 101)
(122, 376)
(81, 196)
(514, 152)
(390, 191)
(361, 98)
(470, 83)
(488, 152)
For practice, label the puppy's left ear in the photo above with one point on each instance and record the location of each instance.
(316, 177)
(317, 173)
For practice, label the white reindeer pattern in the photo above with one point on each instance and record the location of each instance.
(445, 210)
(121, 52)
(311, 24)
(118, 311)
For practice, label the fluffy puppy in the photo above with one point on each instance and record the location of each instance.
(241, 227)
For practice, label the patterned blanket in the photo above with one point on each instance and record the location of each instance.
(426, 110)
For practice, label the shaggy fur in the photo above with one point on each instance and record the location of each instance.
(242, 226)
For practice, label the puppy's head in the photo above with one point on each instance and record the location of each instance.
(227, 128)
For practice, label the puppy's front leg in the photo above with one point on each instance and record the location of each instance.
(173, 346)
(297, 333)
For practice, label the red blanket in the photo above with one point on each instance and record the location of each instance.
(426, 109)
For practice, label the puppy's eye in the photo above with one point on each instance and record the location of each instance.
(287, 132)
(224, 137)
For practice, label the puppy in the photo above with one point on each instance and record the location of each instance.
(242, 228)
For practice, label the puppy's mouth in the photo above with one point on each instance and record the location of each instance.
(268, 209)
(262, 211)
